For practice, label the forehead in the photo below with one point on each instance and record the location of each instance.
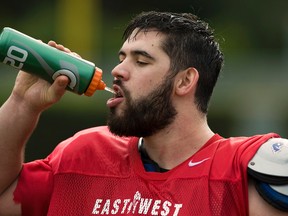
(145, 39)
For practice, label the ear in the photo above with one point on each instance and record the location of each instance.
(186, 81)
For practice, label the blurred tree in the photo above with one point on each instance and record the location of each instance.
(252, 35)
(79, 26)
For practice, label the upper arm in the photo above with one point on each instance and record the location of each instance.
(258, 206)
(7, 204)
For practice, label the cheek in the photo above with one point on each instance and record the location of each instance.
(144, 87)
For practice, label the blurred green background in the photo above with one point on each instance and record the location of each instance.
(250, 97)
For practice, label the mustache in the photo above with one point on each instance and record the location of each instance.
(118, 82)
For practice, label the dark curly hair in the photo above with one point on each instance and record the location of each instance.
(189, 42)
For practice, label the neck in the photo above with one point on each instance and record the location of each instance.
(175, 144)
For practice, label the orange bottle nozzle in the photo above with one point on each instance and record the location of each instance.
(96, 83)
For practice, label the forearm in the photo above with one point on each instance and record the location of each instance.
(17, 123)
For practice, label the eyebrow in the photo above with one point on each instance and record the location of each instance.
(138, 53)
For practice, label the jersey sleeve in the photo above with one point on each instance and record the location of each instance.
(35, 183)
(34, 187)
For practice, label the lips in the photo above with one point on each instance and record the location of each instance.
(117, 99)
(118, 90)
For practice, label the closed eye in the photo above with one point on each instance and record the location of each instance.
(141, 63)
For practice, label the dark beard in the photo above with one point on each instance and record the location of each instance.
(145, 116)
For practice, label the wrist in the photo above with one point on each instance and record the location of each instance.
(19, 105)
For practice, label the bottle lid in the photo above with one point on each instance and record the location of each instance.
(96, 83)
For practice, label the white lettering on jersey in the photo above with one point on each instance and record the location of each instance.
(139, 205)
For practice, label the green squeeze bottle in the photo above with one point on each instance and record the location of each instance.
(33, 56)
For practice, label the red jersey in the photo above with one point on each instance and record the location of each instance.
(97, 173)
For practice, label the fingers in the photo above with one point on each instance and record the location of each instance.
(62, 48)
(59, 46)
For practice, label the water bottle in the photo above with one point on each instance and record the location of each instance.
(33, 56)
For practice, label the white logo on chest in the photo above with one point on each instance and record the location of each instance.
(192, 164)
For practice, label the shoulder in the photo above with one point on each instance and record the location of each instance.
(250, 140)
(91, 150)
(269, 171)
(97, 138)
(243, 147)
(232, 155)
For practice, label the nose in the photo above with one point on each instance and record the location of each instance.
(120, 72)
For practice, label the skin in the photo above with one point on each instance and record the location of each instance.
(145, 115)
(168, 147)
(139, 80)
(147, 70)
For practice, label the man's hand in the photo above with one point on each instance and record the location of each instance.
(37, 93)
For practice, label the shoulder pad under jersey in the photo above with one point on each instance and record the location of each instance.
(271, 158)
(269, 168)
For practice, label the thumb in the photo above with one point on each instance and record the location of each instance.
(58, 87)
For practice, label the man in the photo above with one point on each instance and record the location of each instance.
(158, 155)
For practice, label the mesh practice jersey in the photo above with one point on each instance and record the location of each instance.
(97, 173)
